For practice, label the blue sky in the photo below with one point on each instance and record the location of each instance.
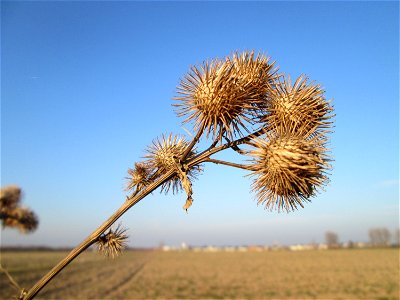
(86, 86)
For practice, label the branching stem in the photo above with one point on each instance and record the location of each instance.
(135, 198)
(203, 156)
(228, 163)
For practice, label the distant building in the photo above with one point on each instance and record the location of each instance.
(322, 247)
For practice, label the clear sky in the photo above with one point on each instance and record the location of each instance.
(86, 86)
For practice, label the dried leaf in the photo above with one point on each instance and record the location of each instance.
(188, 204)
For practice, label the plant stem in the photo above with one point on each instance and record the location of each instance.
(95, 235)
(228, 163)
(194, 141)
(203, 156)
(132, 200)
(10, 278)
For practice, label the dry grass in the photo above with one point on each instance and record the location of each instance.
(333, 274)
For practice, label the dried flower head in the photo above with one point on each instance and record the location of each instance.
(10, 197)
(255, 73)
(20, 218)
(219, 95)
(288, 169)
(113, 242)
(140, 176)
(301, 108)
(163, 155)
(12, 214)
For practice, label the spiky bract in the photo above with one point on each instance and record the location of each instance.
(289, 169)
(113, 242)
(163, 155)
(220, 96)
(301, 108)
(140, 176)
(256, 74)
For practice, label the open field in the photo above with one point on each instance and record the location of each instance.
(333, 274)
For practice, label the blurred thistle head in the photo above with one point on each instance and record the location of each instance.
(113, 242)
(289, 169)
(163, 155)
(20, 218)
(301, 108)
(221, 95)
(12, 214)
(140, 176)
(10, 197)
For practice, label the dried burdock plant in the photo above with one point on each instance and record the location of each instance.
(164, 155)
(21, 218)
(256, 74)
(238, 100)
(139, 177)
(220, 96)
(289, 168)
(10, 197)
(300, 108)
(113, 242)
(12, 214)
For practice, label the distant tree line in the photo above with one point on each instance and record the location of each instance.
(332, 239)
(378, 237)
(381, 237)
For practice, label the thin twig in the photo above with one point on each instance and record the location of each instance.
(235, 147)
(10, 278)
(249, 137)
(213, 144)
(203, 156)
(194, 141)
(231, 164)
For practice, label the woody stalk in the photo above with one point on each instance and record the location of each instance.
(240, 102)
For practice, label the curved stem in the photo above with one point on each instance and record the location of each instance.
(95, 235)
(134, 199)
